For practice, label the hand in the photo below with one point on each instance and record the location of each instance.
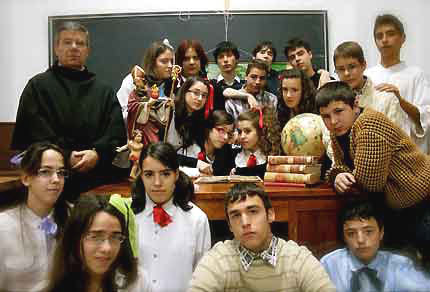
(83, 161)
(205, 168)
(324, 78)
(344, 182)
(251, 101)
(389, 88)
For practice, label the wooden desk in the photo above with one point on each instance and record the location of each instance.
(311, 213)
(9, 180)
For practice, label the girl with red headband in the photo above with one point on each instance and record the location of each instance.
(259, 135)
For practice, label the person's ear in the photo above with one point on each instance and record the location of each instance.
(25, 179)
(310, 54)
(381, 234)
(270, 215)
(177, 175)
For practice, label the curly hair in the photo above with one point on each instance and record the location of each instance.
(269, 138)
(307, 101)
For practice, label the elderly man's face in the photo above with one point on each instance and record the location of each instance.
(72, 49)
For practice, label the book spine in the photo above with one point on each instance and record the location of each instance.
(290, 177)
(308, 160)
(294, 168)
(283, 184)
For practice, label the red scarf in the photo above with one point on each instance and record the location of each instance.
(160, 216)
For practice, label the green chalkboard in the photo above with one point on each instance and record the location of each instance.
(118, 41)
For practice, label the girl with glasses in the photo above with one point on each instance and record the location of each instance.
(98, 251)
(192, 105)
(29, 229)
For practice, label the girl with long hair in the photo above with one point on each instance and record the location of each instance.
(187, 124)
(98, 251)
(297, 95)
(173, 232)
(259, 136)
(30, 229)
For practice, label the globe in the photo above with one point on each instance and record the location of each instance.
(303, 135)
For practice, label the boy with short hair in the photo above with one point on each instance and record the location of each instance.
(350, 64)
(299, 55)
(256, 74)
(407, 83)
(372, 153)
(266, 52)
(226, 55)
(362, 266)
(256, 260)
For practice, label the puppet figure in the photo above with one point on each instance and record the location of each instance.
(135, 147)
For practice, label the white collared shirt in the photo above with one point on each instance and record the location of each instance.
(169, 255)
(24, 257)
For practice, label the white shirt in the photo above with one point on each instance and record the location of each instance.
(141, 284)
(414, 88)
(127, 86)
(24, 257)
(169, 255)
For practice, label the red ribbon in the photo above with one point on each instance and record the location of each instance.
(252, 161)
(260, 120)
(210, 102)
(160, 216)
(201, 156)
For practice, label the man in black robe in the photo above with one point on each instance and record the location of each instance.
(67, 105)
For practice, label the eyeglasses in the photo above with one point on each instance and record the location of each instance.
(198, 94)
(97, 238)
(349, 68)
(48, 173)
(222, 132)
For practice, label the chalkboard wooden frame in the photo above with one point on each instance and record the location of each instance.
(118, 41)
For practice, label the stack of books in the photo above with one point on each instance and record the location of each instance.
(296, 171)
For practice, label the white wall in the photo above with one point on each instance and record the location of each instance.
(24, 29)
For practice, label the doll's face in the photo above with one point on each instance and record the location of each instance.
(163, 65)
(248, 135)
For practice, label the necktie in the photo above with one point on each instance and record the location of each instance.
(365, 280)
(252, 161)
(49, 227)
(160, 216)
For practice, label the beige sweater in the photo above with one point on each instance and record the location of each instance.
(296, 270)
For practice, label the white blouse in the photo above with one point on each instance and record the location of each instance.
(170, 254)
(24, 256)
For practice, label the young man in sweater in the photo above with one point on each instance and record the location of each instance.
(362, 265)
(255, 260)
(373, 154)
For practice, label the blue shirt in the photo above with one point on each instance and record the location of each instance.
(397, 273)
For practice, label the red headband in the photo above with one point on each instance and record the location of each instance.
(260, 120)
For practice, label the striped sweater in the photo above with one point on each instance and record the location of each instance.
(385, 160)
(296, 270)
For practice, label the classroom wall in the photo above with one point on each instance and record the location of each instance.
(24, 29)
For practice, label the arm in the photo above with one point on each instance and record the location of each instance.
(237, 94)
(372, 160)
(203, 240)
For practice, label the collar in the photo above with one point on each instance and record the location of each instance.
(377, 264)
(32, 218)
(364, 88)
(242, 157)
(76, 75)
(221, 78)
(169, 207)
(268, 255)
